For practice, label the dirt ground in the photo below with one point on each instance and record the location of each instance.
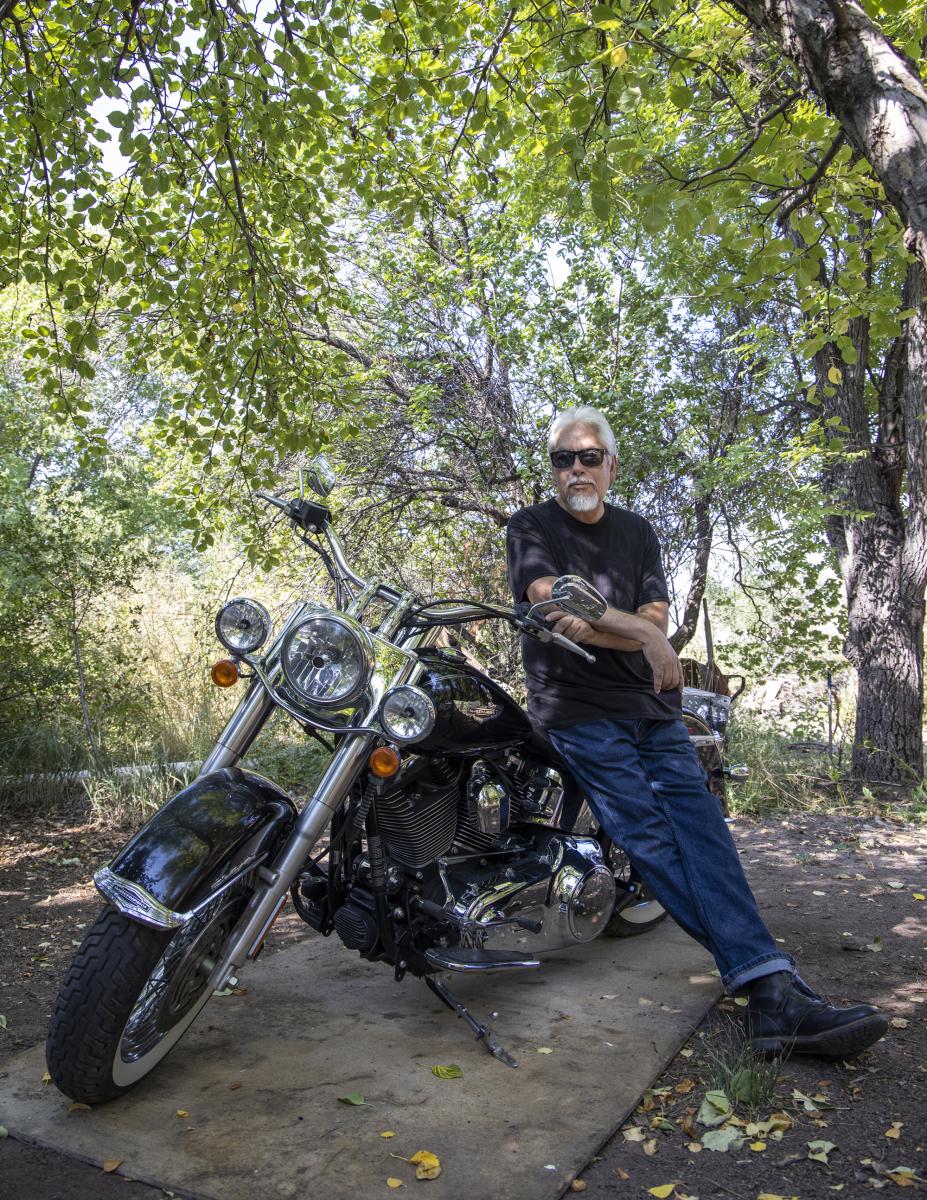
(845, 895)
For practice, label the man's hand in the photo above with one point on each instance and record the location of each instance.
(574, 628)
(666, 667)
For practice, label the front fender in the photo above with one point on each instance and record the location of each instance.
(230, 819)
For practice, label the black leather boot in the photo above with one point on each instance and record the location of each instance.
(783, 1015)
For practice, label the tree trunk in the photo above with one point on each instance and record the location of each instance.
(871, 87)
(885, 642)
(703, 540)
(880, 542)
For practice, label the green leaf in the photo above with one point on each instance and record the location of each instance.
(723, 1140)
(681, 95)
(352, 1098)
(819, 1150)
(451, 1071)
(715, 1108)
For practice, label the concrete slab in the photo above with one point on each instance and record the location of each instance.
(259, 1076)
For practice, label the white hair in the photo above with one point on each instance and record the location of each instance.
(585, 415)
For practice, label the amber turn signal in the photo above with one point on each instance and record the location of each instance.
(384, 762)
(225, 672)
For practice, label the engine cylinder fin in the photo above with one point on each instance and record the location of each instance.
(418, 825)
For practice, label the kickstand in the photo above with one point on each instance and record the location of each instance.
(443, 992)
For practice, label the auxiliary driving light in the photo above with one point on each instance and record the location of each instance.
(243, 626)
(407, 714)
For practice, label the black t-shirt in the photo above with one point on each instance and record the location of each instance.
(619, 555)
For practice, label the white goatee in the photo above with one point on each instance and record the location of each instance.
(582, 501)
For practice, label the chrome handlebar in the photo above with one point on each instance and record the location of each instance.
(434, 616)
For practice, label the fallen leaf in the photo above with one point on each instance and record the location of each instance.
(545, 1050)
(898, 1023)
(694, 1147)
(633, 1134)
(875, 945)
(819, 893)
(806, 1102)
(895, 884)
(451, 1071)
(612, 996)
(757, 1146)
(687, 1053)
(661, 1191)
(819, 1150)
(684, 1086)
(233, 1087)
(78, 1107)
(393, 1182)
(741, 1001)
(778, 1123)
(650, 1148)
(112, 1163)
(621, 1173)
(352, 1098)
(46, 1079)
(2, 1021)
(387, 1133)
(714, 1109)
(427, 1165)
(723, 1140)
(919, 896)
(903, 1176)
(774, 1196)
(895, 1131)
(182, 1112)
(3, 1132)
(578, 1185)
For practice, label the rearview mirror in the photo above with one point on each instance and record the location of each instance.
(577, 597)
(320, 475)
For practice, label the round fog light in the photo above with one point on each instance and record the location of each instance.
(407, 714)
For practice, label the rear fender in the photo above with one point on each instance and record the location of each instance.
(199, 843)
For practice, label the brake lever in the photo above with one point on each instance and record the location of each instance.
(543, 633)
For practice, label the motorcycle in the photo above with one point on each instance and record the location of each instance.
(444, 835)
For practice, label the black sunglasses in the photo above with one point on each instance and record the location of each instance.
(592, 457)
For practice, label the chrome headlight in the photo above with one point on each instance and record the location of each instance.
(407, 714)
(327, 659)
(242, 626)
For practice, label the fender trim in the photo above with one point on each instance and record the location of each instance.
(167, 872)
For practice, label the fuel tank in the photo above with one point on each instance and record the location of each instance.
(474, 715)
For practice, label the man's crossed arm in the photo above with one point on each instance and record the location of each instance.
(616, 630)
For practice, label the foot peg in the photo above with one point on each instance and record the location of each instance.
(481, 1033)
(474, 958)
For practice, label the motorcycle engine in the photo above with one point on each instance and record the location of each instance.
(477, 841)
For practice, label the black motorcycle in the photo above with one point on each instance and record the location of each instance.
(443, 836)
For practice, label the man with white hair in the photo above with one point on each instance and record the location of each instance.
(617, 723)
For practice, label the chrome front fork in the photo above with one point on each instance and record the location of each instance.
(276, 877)
(237, 737)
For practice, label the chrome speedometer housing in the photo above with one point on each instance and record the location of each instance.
(327, 660)
(243, 625)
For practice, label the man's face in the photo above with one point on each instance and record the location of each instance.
(580, 488)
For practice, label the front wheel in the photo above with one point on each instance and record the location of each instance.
(130, 995)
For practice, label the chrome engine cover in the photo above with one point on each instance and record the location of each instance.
(567, 887)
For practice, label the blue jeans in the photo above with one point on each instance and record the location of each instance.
(646, 787)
